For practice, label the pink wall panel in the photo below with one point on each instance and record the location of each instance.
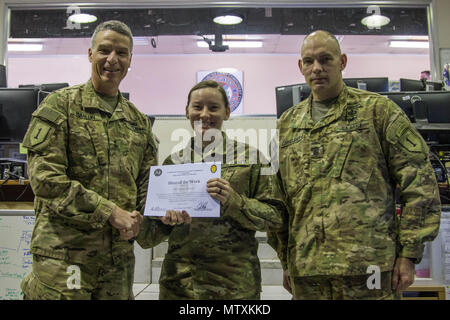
(159, 84)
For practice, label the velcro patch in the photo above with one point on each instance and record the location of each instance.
(39, 132)
(410, 141)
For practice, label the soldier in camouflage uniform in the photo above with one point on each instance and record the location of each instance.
(89, 154)
(216, 258)
(342, 153)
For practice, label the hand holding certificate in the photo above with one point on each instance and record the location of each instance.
(182, 187)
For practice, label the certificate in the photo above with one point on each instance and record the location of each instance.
(182, 187)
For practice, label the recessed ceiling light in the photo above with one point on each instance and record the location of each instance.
(82, 18)
(409, 44)
(375, 21)
(228, 19)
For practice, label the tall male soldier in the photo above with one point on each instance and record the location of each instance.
(342, 153)
(89, 154)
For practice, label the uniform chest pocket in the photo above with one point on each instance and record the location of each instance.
(88, 144)
(337, 152)
(134, 148)
(355, 161)
(294, 164)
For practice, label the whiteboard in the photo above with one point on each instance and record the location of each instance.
(16, 228)
(15, 256)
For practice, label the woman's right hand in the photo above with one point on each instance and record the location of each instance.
(174, 217)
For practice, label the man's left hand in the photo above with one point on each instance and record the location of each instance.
(403, 275)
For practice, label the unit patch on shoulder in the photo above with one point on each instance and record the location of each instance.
(39, 132)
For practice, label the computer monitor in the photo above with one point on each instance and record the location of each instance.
(2, 76)
(289, 95)
(369, 84)
(436, 86)
(403, 100)
(411, 85)
(16, 107)
(438, 106)
(45, 89)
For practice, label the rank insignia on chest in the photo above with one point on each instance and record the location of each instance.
(351, 112)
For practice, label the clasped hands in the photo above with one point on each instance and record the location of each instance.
(129, 223)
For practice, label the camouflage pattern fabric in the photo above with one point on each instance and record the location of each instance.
(82, 161)
(216, 258)
(49, 281)
(343, 288)
(339, 175)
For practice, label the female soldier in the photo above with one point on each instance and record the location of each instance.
(216, 258)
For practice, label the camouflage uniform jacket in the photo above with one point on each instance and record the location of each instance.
(82, 161)
(216, 258)
(339, 176)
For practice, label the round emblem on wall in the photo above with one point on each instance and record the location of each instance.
(231, 84)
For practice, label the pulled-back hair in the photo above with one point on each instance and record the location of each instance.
(210, 84)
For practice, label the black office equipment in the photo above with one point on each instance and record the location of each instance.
(436, 86)
(420, 85)
(45, 89)
(438, 106)
(289, 95)
(403, 100)
(411, 85)
(2, 76)
(380, 84)
(16, 107)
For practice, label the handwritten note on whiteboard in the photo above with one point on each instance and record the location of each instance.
(15, 257)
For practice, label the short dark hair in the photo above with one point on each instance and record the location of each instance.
(210, 84)
(114, 25)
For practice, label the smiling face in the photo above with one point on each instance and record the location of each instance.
(208, 106)
(110, 58)
(322, 64)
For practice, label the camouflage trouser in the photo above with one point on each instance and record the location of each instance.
(184, 281)
(342, 288)
(53, 279)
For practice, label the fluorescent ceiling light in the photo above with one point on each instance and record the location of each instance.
(234, 44)
(140, 41)
(410, 38)
(228, 19)
(82, 18)
(25, 47)
(375, 21)
(409, 44)
(22, 40)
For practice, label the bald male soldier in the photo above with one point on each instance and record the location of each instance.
(342, 153)
(89, 154)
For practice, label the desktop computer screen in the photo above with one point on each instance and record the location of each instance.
(369, 84)
(16, 107)
(289, 95)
